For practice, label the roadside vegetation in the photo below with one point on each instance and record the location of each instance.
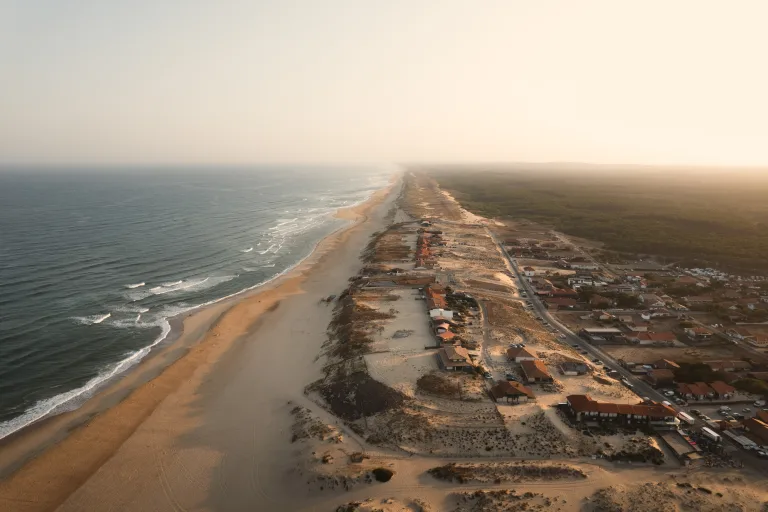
(702, 220)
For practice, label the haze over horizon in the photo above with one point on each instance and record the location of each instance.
(203, 82)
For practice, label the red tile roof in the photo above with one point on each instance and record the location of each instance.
(757, 428)
(535, 369)
(721, 388)
(518, 352)
(506, 388)
(585, 403)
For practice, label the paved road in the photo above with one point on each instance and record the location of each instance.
(640, 387)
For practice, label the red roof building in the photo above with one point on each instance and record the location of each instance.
(583, 407)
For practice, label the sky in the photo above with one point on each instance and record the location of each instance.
(343, 81)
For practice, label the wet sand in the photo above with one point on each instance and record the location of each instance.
(211, 430)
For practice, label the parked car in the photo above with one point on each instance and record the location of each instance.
(669, 393)
(488, 375)
(696, 412)
(509, 376)
(746, 409)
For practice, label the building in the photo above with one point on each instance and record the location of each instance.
(441, 313)
(572, 368)
(529, 271)
(536, 371)
(697, 390)
(653, 338)
(445, 337)
(757, 428)
(662, 377)
(728, 366)
(559, 303)
(512, 392)
(584, 408)
(519, 354)
(699, 333)
(453, 358)
(722, 390)
(597, 334)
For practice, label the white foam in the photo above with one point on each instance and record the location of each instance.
(93, 319)
(72, 399)
(247, 250)
(267, 250)
(169, 285)
(137, 285)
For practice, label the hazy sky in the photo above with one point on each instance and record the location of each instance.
(203, 81)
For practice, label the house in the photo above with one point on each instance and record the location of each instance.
(559, 303)
(519, 354)
(445, 337)
(529, 271)
(572, 368)
(698, 333)
(600, 302)
(581, 280)
(757, 428)
(597, 334)
(658, 378)
(599, 316)
(441, 313)
(666, 364)
(584, 408)
(536, 371)
(728, 366)
(722, 390)
(584, 266)
(651, 338)
(566, 293)
(453, 358)
(512, 392)
(698, 390)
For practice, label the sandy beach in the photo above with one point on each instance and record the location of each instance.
(206, 431)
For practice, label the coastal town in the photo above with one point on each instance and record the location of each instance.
(469, 338)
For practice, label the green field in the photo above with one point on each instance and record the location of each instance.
(717, 218)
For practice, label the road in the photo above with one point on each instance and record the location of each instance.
(638, 386)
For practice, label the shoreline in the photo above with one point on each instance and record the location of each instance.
(167, 341)
(113, 414)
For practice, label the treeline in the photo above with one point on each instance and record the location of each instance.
(721, 221)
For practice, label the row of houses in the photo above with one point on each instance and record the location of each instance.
(702, 390)
(584, 408)
(425, 257)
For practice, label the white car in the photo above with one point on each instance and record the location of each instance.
(669, 393)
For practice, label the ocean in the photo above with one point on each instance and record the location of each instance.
(93, 264)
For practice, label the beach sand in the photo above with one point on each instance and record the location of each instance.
(211, 430)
